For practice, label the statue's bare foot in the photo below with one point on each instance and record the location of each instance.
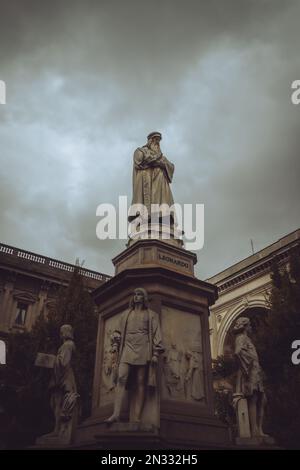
(136, 420)
(255, 433)
(46, 438)
(262, 434)
(112, 419)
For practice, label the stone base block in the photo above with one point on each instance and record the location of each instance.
(259, 441)
(207, 433)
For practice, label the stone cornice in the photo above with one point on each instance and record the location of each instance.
(254, 271)
(217, 308)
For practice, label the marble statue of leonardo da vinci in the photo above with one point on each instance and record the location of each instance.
(152, 175)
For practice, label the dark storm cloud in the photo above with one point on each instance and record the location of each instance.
(86, 81)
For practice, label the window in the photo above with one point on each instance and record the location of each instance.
(2, 352)
(21, 313)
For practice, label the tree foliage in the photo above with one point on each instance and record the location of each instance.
(31, 415)
(273, 341)
(274, 331)
(224, 369)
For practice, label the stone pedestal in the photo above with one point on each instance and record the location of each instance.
(156, 253)
(64, 438)
(242, 416)
(244, 438)
(257, 442)
(185, 416)
(157, 231)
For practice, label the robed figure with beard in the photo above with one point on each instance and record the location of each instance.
(152, 175)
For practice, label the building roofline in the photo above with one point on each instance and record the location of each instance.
(256, 257)
(51, 262)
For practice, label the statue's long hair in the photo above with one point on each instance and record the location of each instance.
(146, 298)
(240, 325)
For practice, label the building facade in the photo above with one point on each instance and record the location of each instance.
(29, 284)
(244, 290)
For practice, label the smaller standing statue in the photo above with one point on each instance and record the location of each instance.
(138, 343)
(64, 396)
(249, 383)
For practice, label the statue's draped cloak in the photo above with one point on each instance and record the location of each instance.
(197, 386)
(251, 374)
(63, 376)
(152, 175)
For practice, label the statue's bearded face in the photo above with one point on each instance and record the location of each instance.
(154, 144)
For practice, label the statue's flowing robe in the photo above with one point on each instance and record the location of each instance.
(197, 391)
(250, 375)
(62, 384)
(152, 175)
(63, 377)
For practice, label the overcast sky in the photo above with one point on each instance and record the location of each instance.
(88, 80)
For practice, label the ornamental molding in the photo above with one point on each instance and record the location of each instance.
(25, 297)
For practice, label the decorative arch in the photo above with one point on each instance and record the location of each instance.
(232, 315)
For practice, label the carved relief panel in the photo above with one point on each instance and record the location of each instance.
(183, 376)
